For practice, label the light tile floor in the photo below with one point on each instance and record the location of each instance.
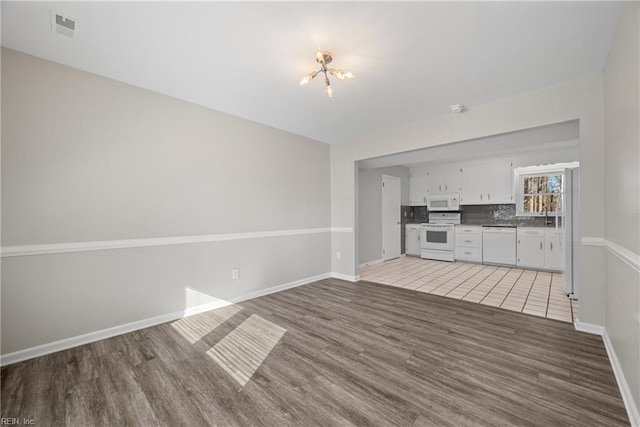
(539, 293)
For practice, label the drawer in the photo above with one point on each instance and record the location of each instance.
(469, 254)
(536, 232)
(469, 240)
(465, 230)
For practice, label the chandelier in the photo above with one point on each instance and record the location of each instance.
(323, 58)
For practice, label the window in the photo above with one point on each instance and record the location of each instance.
(540, 189)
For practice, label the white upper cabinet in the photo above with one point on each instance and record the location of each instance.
(499, 179)
(445, 180)
(418, 187)
(473, 185)
(487, 183)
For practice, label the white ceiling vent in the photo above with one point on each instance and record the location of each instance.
(64, 25)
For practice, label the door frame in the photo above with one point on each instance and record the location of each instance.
(384, 255)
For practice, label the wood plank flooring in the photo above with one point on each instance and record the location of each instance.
(331, 353)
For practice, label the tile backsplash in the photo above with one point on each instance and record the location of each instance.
(486, 215)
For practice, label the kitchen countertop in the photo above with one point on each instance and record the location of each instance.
(527, 224)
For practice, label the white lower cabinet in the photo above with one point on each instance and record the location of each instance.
(530, 248)
(469, 243)
(412, 240)
(554, 251)
(540, 248)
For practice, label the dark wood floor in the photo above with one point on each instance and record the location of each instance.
(329, 353)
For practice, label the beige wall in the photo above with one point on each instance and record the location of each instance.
(85, 158)
(622, 194)
(580, 99)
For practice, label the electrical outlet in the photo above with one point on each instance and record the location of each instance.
(235, 273)
(337, 255)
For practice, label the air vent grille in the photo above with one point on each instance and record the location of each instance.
(63, 24)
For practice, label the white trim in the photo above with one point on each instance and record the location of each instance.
(588, 328)
(625, 391)
(41, 350)
(592, 241)
(630, 258)
(56, 248)
(345, 277)
(342, 229)
(374, 262)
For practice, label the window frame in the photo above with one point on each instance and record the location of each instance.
(520, 173)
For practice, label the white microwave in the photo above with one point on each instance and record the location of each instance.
(444, 202)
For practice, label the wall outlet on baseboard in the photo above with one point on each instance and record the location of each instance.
(337, 255)
(235, 273)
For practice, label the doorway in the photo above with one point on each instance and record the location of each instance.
(391, 223)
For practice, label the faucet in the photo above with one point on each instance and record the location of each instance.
(546, 216)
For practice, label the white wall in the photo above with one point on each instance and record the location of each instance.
(370, 208)
(85, 158)
(622, 196)
(575, 100)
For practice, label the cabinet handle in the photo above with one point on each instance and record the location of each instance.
(480, 196)
(418, 237)
(467, 253)
(440, 188)
(540, 245)
(518, 241)
(445, 187)
(551, 245)
(467, 241)
(488, 196)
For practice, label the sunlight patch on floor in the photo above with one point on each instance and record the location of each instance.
(194, 328)
(244, 349)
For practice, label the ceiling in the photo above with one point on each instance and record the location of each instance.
(559, 136)
(411, 59)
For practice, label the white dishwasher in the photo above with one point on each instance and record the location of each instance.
(499, 245)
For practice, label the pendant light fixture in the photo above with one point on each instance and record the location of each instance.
(323, 58)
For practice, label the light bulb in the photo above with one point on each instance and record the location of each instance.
(304, 81)
(349, 75)
(329, 92)
(339, 74)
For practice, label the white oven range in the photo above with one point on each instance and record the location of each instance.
(438, 236)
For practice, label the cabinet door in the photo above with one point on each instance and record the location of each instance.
(436, 181)
(554, 253)
(452, 179)
(473, 184)
(530, 251)
(418, 188)
(412, 242)
(499, 182)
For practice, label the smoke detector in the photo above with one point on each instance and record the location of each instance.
(458, 108)
(64, 25)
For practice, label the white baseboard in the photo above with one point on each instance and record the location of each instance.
(374, 262)
(588, 328)
(625, 391)
(52, 347)
(345, 277)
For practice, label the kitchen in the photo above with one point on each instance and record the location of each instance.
(506, 201)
